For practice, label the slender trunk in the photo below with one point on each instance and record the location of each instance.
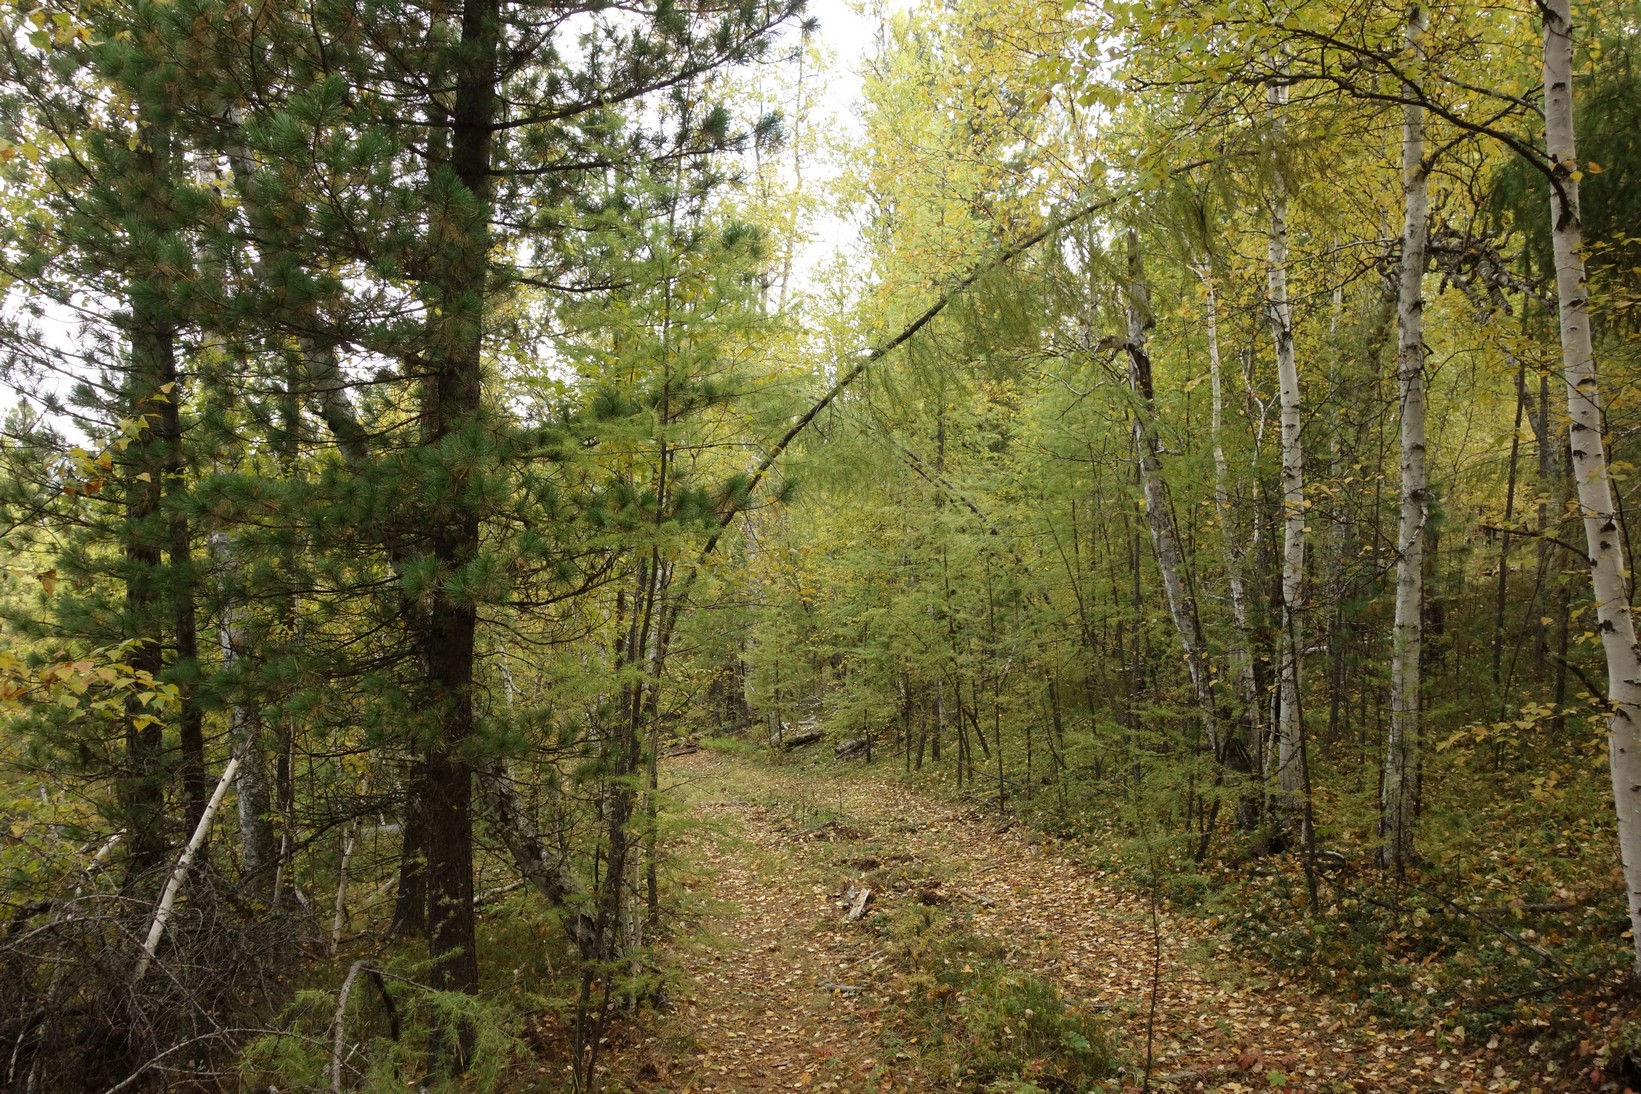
(1289, 760)
(543, 869)
(655, 665)
(190, 718)
(1502, 677)
(1609, 559)
(1222, 479)
(1159, 511)
(1548, 490)
(339, 915)
(179, 873)
(623, 759)
(1235, 749)
(1136, 655)
(258, 849)
(1402, 748)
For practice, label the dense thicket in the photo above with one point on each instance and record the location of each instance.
(1214, 448)
(393, 336)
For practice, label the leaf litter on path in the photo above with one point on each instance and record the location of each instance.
(783, 994)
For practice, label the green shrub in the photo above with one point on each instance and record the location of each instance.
(991, 1026)
(387, 1028)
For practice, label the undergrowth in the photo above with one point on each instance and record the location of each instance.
(1509, 925)
(986, 1025)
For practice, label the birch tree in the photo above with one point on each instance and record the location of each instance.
(1398, 795)
(1289, 755)
(1603, 529)
(1159, 513)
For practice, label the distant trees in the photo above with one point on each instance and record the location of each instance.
(1327, 421)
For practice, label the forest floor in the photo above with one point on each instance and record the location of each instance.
(775, 990)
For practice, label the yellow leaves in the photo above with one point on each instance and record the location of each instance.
(56, 29)
(10, 150)
(1531, 717)
(101, 681)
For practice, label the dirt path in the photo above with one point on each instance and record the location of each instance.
(771, 996)
(779, 993)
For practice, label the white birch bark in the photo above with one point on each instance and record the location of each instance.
(1159, 513)
(1397, 797)
(547, 873)
(1242, 667)
(173, 884)
(1604, 533)
(339, 914)
(259, 851)
(1222, 475)
(1290, 774)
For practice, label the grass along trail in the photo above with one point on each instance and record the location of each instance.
(777, 991)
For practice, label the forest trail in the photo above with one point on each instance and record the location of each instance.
(780, 992)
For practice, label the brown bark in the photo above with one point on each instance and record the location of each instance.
(451, 396)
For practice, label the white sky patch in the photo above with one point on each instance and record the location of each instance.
(850, 33)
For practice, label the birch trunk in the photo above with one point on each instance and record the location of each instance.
(547, 873)
(1159, 513)
(340, 912)
(1242, 668)
(1289, 760)
(1398, 796)
(179, 873)
(1603, 531)
(259, 850)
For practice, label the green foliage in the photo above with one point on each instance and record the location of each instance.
(1422, 949)
(994, 1026)
(391, 436)
(385, 1033)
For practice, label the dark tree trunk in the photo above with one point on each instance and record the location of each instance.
(190, 719)
(451, 395)
(410, 905)
(152, 366)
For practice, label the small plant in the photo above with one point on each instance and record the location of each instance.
(991, 1026)
(380, 1030)
(733, 746)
